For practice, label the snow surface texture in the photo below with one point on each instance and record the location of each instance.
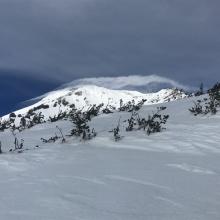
(172, 175)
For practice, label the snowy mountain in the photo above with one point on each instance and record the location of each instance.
(159, 161)
(83, 97)
(173, 174)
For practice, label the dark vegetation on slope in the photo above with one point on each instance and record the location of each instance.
(80, 118)
(209, 104)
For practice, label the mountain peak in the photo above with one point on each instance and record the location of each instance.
(83, 97)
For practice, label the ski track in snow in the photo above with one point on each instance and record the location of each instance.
(192, 168)
(136, 181)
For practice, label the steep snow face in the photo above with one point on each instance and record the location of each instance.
(85, 96)
(150, 83)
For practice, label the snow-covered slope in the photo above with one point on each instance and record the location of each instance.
(172, 175)
(83, 97)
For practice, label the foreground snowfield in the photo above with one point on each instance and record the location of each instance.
(173, 175)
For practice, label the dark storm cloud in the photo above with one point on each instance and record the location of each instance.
(62, 40)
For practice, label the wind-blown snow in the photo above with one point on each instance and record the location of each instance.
(172, 175)
(126, 82)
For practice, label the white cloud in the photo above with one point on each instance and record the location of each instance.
(122, 82)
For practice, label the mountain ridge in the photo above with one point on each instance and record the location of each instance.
(63, 100)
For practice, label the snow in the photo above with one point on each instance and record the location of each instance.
(174, 174)
(88, 95)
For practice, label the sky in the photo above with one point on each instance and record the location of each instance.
(45, 43)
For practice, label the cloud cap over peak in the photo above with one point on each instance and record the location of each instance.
(147, 83)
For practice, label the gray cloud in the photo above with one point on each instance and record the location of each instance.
(63, 40)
